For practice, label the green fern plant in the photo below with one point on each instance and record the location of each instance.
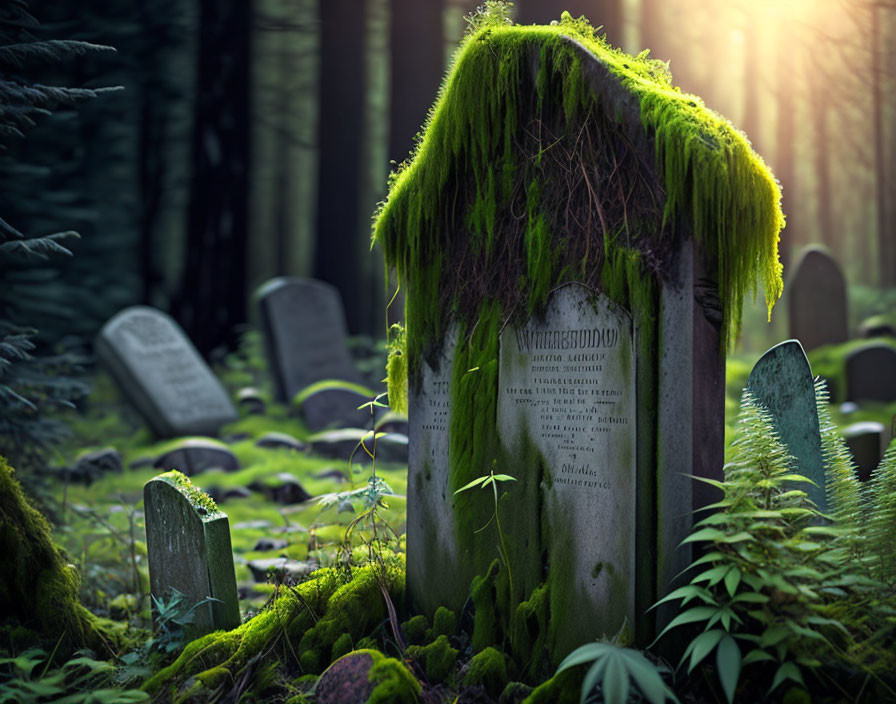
(768, 571)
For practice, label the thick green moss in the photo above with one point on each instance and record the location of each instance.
(444, 622)
(438, 658)
(486, 630)
(529, 631)
(38, 587)
(562, 689)
(196, 496)
(312, 616)
(415, 629)
(489, 669)
(394, 684)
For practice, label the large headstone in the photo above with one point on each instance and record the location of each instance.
(305, 334)
(162, 374)
(188, 549)
(781, 381)
(567, 386)
(871, 373)
(816, 300)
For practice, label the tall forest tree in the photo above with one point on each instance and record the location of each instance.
(341, 129)
(213, 295)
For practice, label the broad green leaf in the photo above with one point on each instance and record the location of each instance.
(475, 482)
(774, 635)
(704, 535)
(741, 537)
(728, 662)
(595, 672)
(751, 598)
(645, 675)
(504, 478)
(703, 645)
(584, 653)
(686, 594)
(756, 655)
(732, 581)
(712, 576)
(615, 683)
(787, 671)
(698, 613)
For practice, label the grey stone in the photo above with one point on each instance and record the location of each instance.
(188, 549)
(782, 382)
(195, 455)
(345, 444)
(283, 489)
(346, 681)
(334, 474)
(305, 336)
(335, 406)
(877, 326)
(250, 400)
(867, 441)
(162, 374)
(816, 300)
(283, 568)
(848, 407)
(567, 386)
(235, 492)
(871, 373)
(280, 441)
(270, 544)
(99, 462)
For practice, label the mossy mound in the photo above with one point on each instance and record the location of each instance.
(489, 669)
(38, 587)
(303, 626)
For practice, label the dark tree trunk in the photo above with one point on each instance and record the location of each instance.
(607, 13)
(785, 159)
(416, 62)
(340, 135)
(213, 293)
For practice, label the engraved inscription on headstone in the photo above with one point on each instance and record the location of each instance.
(430, 533)
(567, 385)
(162, 374)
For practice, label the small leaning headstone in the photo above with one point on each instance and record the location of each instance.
(816, 300)
(162, 374)
(867, 440)
(188, 549)
(782, 382)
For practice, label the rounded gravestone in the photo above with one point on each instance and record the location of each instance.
(782, 383)
(866, 442)
(816, 300)
(871, 373)
(195, 455)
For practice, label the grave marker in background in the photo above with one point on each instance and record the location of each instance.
(162, 374)
(871, 373)
(782, 382)
(188, 549)
(305, 339)
(816, 300)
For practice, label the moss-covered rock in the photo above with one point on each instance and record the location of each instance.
(313, 616)
(485, 617)
(438, 658)
(38, 587)
(489, 669)
(444, 622)
(367, 676)
(415, 629)
(561, 689)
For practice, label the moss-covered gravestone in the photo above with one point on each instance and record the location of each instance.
(574, 237)
(162, 374)
(188, 548)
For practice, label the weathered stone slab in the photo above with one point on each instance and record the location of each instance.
(816, 300)
(567, 386)
(431, 524)
(782, 382)
(305, 334)
(274, 440)
(871, 373)
(162, 374)
(188, 549)
(867, 441)
(346, 443)
(335, 406)
(195, 455)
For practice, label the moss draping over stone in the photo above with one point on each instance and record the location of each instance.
(485, 165)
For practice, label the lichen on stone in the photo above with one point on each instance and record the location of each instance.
(196, 496)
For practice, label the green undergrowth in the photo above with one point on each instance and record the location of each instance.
(301, 626)
(829, 361)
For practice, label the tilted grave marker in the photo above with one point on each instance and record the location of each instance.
(188, 549)
(816, 300)
(871, 373)
(305, 339)
(485, 227)
(162, 374)
(782, 382)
